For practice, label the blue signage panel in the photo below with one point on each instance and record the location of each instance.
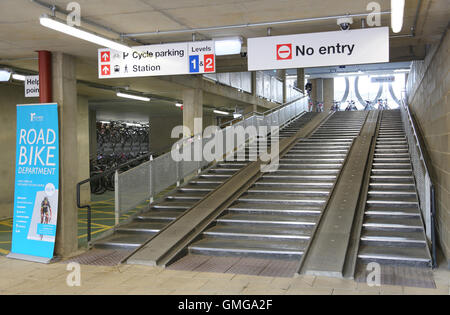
(194, 64)
(36, 181)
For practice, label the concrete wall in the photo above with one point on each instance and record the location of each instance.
(10, 96)
(92, 134)
(328, 94)
(160, 131)
(83, 146)
(428, 95)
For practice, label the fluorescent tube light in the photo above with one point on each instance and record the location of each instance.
(397, 10)
(235, 115)
(18, 77)
(46, 21)
(351, 73)
(221, 113)
(5, 75)
(133, 97)
(228, 46)
(178, 105)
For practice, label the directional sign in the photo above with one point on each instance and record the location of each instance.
(369, 45)
(157, 60)
(105, 56)
(202, 57)
(106, 70)
(383, 79)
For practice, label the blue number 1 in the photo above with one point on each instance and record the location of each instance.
(194, 63)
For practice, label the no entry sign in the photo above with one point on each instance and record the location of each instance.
(370, 45)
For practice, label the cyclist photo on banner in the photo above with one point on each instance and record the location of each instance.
(46, 212)
(44, 218)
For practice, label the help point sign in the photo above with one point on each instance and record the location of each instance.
(370, 45)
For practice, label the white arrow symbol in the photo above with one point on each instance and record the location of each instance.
(105, 56)
(105, 70)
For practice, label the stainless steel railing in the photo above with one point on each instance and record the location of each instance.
(423, 173)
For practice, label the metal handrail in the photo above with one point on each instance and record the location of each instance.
(430, 171)
(267, 112)
(99, 176)
(282, 105)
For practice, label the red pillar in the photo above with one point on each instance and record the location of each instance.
(45, 76)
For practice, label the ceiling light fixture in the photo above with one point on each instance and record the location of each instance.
(18, 77)
(51, 23)
(397, 11)
(133, 97)
(5, 75)
(401, 70)
(228, 46)
(351, 73)
(221, 112)
(178, 105)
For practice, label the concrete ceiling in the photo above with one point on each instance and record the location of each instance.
(21, 35)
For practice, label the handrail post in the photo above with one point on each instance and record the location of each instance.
(116, 198)
(150, 169)
(88, 207)
(433, 228)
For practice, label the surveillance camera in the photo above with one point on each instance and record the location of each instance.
(243, 52)
(344, 23)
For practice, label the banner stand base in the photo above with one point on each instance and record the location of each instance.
(42, 260)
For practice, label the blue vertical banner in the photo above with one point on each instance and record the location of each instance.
(36, 182)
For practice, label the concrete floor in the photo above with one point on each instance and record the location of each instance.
(21, 277)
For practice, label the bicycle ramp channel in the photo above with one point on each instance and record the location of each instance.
(327, 208)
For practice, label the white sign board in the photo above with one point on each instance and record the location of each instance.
(369, 45)
(32, 86)
(383, 79)
(157, 60)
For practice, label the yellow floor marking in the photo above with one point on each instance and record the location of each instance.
(4, 251)
(98, 224)
(93, 233)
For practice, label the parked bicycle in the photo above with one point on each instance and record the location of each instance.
(369, 105)
(117, 143)
(351, 106)
(336, 106)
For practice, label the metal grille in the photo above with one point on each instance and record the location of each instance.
(100, 257)
(398, 275)
(246, 81)
(235, 80)
(164, 173)
(133, 187)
